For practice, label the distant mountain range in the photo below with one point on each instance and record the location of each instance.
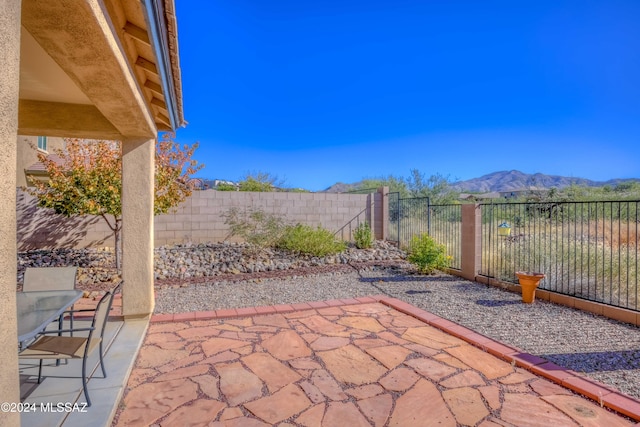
(507, 181)
(516, 180)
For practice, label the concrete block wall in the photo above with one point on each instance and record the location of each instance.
(39, 228)
(200, 218)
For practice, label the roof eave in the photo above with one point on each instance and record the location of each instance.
(162, 26)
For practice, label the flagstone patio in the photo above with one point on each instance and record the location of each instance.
(373, 361)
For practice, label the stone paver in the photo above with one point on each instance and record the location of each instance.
(431, 369)
(344, 414)
(466, 378)
(399, 379)
(529, 410)
(237, 384)
(348, 364)
(490, 366)
(327, 385)
(390, 356)
(363, 323)
(466, 404)
(214, 346)
(197, 413)
(335, 365)
(274, 373)
(585, 415)
(420, 405)
(322, 325)
(377, 408)
(280, 405)
(312, 417)
(287, 345)
(151, 401)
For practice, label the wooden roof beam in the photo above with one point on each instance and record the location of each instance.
(137, 33)
(163, 119)
(158, 103)
(147, 65)
(155, 87)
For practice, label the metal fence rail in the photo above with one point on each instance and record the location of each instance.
(446, 229)
(346, 232)
(393, 234)
(415, 216)
(586, 249)
(413, 219)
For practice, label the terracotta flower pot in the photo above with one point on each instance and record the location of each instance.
(529, 282)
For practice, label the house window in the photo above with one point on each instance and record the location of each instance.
(42, 143)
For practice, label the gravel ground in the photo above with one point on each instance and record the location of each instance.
(605, 350)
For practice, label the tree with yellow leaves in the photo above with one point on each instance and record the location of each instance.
(86, 179)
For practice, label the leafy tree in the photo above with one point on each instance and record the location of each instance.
(174, 167)
(395, 184)
(437, 187)
(629, 186)
(260, 182)
(86, 179)
(575, 192)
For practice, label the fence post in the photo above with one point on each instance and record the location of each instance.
(471, 245)
(381, 209)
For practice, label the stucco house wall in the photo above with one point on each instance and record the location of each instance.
(27, 156)
(55, 56)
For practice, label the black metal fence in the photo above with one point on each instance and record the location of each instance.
(446, 229)
(411, 217)
(586, 249)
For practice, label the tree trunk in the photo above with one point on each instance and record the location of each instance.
(118, 245)
(115, 228)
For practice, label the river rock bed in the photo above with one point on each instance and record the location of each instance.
(193, 263)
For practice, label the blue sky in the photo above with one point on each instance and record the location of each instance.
(319, 92)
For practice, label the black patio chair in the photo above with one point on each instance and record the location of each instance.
(50, 279)
(75, 347)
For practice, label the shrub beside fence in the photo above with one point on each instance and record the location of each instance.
(411, 217)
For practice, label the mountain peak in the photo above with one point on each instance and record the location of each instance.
(516, 180)
(512, 180)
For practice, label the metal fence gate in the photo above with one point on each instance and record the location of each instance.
(409, 217)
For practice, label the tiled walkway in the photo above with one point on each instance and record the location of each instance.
(345, 363)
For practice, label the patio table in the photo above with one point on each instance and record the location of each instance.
(39, 308)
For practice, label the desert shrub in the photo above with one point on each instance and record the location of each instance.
(255, 226)
(362, 236)
(251, 184)
(307, 240)
(260, 182)
(226, 187)
(427, 255)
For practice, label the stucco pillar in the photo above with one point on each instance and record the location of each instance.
(471, 249)
(381, 225)
(9, 87)
(137, 227)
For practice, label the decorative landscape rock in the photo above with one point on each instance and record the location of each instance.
(187, 263)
